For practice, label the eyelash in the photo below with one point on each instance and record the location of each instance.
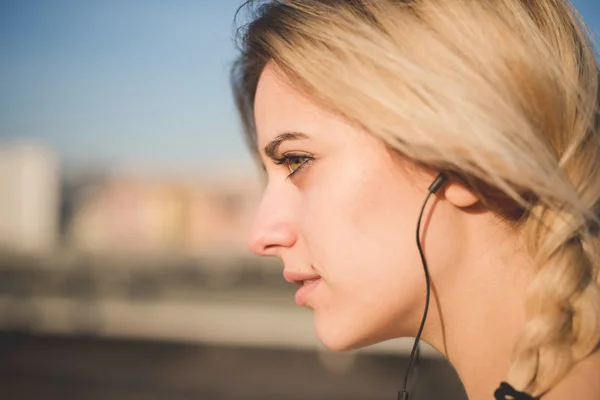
(288, 156)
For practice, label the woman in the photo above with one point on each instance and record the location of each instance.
(354, 107)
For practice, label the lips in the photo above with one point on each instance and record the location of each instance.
(300, 278)
(308, 282)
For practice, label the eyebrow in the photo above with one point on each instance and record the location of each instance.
(270, 149)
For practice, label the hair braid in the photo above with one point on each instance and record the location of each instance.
(563, 302)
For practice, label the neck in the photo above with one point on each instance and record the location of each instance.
(478, 311)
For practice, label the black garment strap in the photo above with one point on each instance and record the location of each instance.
(507, 392)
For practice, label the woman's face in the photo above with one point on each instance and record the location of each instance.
(347, 214)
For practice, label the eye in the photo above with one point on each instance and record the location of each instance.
(294, 162)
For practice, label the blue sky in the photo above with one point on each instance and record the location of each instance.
(138, 82)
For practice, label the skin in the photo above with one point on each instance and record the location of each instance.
(350, 213)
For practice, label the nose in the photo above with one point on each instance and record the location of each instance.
(273, 229)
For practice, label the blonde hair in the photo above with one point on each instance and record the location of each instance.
(503, 92)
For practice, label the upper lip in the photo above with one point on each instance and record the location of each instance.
(299, 277)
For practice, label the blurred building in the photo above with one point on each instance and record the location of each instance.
(43, 209)
(29, 186)
(152, 215)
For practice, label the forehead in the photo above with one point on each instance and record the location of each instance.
(279, 107)
(275, 91)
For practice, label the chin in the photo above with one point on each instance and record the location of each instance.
(339, 335)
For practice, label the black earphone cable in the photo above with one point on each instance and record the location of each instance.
(434, 187)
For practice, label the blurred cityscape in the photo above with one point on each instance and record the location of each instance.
(127, 283)
(141, 264)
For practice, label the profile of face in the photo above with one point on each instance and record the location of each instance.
(341, 207)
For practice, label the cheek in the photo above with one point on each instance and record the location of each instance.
(360, 228)
(360, 231)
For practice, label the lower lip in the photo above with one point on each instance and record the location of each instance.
(304, 291)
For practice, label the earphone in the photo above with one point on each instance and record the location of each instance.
(433, 188)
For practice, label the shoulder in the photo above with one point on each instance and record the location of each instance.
(581, 383)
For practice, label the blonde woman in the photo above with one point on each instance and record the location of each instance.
(355, 107)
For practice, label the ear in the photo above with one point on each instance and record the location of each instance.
(459, 195)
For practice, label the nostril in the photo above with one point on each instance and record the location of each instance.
(270, 250)
(262, 247)
(268, 239)
(256, 247)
